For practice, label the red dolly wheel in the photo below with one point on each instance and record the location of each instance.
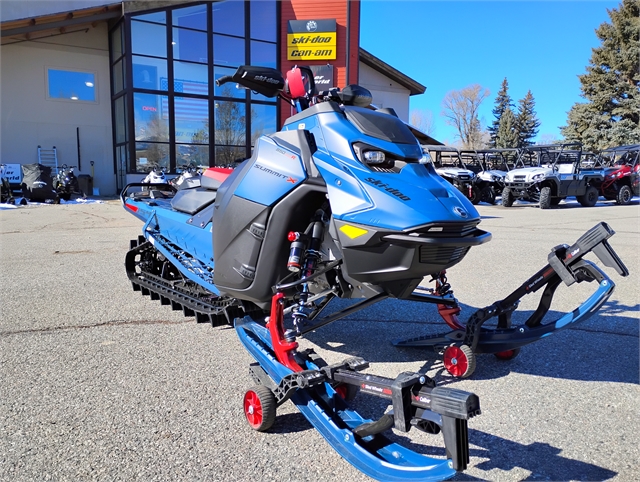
(460, 361)
(260, 408)
(507, 354)
(346, 391)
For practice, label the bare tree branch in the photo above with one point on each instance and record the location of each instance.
(460, 110)
(422, 119)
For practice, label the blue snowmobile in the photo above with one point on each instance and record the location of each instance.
(341, 203)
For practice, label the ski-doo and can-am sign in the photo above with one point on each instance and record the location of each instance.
(311, 39)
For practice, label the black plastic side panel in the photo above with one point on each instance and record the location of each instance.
(237, 241)
(292, 213)
(232, 216)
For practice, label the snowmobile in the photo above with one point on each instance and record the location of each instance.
(6, 193)
(156, 175)
(189, 177)
(340, 204)
(66, 183)
(37, 184)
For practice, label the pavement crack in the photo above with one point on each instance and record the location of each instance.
(53, 329)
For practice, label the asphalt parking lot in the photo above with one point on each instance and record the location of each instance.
(101, 383)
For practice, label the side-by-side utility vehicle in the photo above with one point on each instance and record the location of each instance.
(547, 174)
(622, 174)
(490, 166)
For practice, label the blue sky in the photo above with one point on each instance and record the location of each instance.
(540, 46)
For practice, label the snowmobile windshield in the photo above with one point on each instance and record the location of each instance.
(386, 127)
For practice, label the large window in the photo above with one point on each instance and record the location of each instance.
(164, 66)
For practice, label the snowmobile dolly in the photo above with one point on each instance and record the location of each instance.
(321, 391)
(566, 264)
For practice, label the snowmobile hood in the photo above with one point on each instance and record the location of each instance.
(398, 201)
(401, 198)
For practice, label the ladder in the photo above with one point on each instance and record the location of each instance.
(48, 157)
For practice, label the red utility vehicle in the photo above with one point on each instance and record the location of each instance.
(622, 177)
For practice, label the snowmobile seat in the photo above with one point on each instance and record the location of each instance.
(191, 201)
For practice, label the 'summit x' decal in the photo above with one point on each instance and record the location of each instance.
(275, 173)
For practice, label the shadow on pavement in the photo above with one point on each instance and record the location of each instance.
(590, 351)
(542, 460)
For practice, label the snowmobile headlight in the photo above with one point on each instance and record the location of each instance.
(374, 157)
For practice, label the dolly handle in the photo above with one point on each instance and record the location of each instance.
(562, 257)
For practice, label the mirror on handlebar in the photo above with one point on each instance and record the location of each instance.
(356, 95)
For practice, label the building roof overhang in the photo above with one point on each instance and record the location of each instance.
(59, 23)
(374, 62)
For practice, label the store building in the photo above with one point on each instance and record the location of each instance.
(119, 88)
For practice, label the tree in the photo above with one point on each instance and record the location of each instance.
(503, 102)
(507, 135)
(422, 120)
(611, 86)
(230, 131)
(460, 110)
(526, 121)
(198, 151)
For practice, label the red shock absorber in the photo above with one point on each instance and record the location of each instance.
(296, 252)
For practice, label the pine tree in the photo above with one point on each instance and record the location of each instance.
(526, 121)
(611, 86)
(503, 102)
(507, 135)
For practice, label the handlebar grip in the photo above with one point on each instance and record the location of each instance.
(223, 80)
